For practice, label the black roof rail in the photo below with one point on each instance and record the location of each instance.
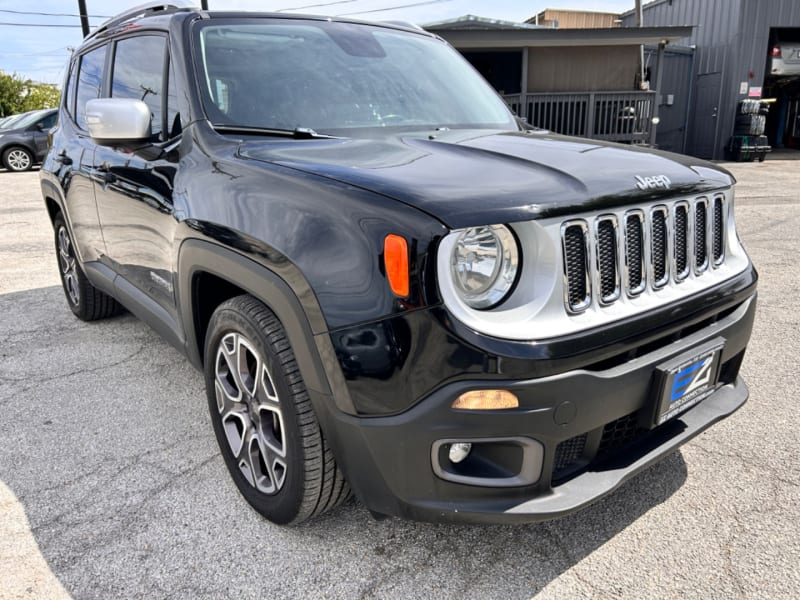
(143, 10)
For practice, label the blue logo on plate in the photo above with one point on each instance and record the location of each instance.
(690, 378)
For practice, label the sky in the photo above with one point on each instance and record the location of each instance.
(40, 53)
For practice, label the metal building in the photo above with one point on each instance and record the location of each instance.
(734, 44)
(580, 82)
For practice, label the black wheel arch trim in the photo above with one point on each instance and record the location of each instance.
(314, 353)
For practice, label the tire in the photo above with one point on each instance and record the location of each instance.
(86, 301)
(262, 415)
(17, 159)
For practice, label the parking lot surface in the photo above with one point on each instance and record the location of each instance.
(111, 484)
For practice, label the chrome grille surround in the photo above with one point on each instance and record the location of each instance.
(538, 307)
(576, 253)
(661, 245)
(607, 270)
(635, 253)
(681, 246)
(718, 240)
(702, 235)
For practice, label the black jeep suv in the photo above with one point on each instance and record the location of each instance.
(391, 285)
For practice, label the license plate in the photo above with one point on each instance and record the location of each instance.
(686, 380)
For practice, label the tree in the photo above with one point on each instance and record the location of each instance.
(21, 95)
(11, 94)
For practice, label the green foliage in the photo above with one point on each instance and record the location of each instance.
(19, 95)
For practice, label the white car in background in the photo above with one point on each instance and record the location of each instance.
(785, 59)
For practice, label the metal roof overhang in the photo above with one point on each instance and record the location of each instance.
(466, 39)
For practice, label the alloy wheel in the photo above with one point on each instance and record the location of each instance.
(250, 412)
(66, 260)
(18, 160)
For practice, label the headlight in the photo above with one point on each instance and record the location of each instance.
(484, 265)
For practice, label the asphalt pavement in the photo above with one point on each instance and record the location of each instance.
(111, 484)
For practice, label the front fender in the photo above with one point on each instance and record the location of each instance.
(314, 354)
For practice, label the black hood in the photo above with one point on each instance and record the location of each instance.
(466, 178)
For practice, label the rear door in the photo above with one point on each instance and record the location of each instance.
(72, 159)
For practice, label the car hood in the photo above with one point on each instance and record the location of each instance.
(468, 178)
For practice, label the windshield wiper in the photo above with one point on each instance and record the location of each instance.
(298, 133)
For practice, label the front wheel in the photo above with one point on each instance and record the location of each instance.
(263, 419)
(17, 159)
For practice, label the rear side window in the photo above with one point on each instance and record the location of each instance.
(139, 73)
(90, 82)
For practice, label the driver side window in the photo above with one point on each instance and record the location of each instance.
(138, 73)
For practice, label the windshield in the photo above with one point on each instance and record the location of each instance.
(26, 119)
(18, 120)
(339, 78)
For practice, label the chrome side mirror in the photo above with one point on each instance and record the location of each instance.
(118, 119)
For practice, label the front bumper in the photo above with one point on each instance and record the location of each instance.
(586, 421)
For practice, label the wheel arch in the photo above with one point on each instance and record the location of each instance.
(52, 199)
(208, 274)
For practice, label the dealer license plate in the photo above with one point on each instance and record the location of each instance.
(687, 380)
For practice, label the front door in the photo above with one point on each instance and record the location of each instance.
(134, 184)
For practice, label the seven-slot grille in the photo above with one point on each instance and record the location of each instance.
(640, 249)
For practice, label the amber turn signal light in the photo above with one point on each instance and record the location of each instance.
(395, 258)
(486, 400)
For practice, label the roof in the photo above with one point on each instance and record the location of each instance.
(576, 11)
(473, 22)
(546, 36)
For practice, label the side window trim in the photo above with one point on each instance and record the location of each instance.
(71, 86)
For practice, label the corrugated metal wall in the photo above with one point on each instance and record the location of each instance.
(732, 38)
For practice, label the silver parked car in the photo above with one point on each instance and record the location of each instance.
(785, 59)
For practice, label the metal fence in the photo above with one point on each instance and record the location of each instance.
(612, 116)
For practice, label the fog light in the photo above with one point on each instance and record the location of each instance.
(459, 451)
(486, 400)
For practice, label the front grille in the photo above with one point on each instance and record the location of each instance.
(649, 249)
(719, 240)
(576, 265)
(659, 246)
(607, 259)
(700, 239)
(681, 241)
(634, 252)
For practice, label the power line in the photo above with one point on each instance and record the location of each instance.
(316, 5)
(364, 12)
(3, 23)
(48, 14)
(44, 53)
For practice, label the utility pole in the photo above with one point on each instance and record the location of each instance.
(204, 4)
(84, 17)
(641, 48)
